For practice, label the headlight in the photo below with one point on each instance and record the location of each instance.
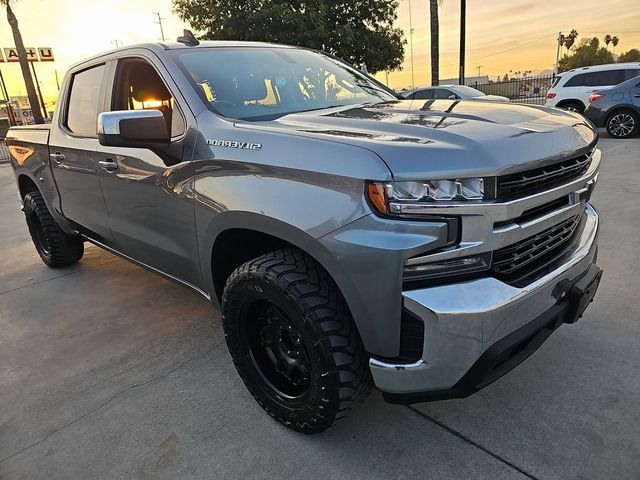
(383, 195)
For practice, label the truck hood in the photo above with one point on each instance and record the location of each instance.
(420, 139)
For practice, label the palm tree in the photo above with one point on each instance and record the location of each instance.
(607, 39)
(435, 42)
(614, 42)
(24, 63)
(570, 39)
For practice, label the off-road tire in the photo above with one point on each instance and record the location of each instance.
(299, 287)
(56, 248)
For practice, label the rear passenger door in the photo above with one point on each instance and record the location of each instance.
(72, 148)
(149, 192)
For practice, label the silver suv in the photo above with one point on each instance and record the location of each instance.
(350, 237)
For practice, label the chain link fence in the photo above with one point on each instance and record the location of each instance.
(531, 90)
(4, 152)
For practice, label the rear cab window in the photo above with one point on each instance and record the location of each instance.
(83, 106)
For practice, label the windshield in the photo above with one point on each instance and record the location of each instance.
(468, 91)
(255, 83)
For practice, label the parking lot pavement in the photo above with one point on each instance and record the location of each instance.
(108, 371)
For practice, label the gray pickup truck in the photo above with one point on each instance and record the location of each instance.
(350, 237)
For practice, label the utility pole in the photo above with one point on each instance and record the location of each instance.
(35, 78)
(560, 40)
(57, 80)
(5, 94)
(159, 22)
(463, 14)
(413, 83)
(116, 43)
(479, 67)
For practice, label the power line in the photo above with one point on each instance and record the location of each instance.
(506, 50)
(516, 47)
(615, 31)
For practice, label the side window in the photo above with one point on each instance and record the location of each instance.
(607, 77)
(83, 105)
(139, 87)
(443, 93)
(577, 80)
(629, 74)
(424, 94)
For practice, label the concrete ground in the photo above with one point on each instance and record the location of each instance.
(108, 371)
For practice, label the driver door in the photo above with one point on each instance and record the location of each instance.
(148, 192)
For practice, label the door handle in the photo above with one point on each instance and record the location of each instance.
(57, 157)
(108, 165)
(637, 95)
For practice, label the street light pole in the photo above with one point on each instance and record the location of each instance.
(159, 22)
(413, 83)
(463, 14)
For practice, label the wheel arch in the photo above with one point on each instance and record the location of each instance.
(236, 237)
(623, 107)
(26, 185)
(568, 101)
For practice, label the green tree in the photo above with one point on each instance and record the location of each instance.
(570, 39)
(360, 31)
(632, 55)
(434, 24)
(24, 63)
(587, 52)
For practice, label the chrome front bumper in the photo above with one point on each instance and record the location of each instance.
(464, 320)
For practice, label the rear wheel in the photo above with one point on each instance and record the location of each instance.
(623, 124)
(55, 247)
(293, 340)
(573, 107)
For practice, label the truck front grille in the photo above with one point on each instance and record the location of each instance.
(528, 182)
(523, 259)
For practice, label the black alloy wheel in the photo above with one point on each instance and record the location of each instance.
(293, 340)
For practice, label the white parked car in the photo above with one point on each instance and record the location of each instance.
(571, 89)
(451, 92)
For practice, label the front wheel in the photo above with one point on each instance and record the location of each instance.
(622, 124)
(293, 340)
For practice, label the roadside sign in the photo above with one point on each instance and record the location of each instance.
(40, 54)
(45, 54)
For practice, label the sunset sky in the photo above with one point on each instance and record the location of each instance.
(501, 35)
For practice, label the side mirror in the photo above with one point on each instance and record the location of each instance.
(133, 128)
(452, 97)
